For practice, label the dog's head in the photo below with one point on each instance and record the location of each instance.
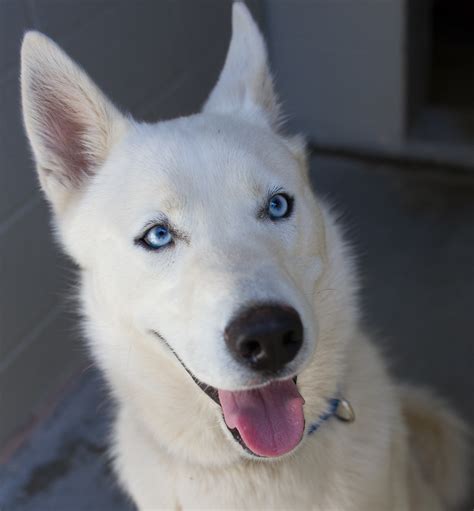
(207, 265)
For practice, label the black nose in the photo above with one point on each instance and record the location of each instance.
(265, 337)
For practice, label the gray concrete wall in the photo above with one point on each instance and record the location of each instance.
(340, 69)
(156, 59)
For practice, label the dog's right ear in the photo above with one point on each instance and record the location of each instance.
(71, 125)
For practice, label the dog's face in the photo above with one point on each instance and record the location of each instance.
(198, 226)
(201, 245)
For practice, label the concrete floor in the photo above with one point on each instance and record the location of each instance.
(65, 466)
(414, 241)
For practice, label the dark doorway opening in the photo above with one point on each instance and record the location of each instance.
(451, 82)
(441, 76)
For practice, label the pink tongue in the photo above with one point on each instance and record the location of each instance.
(269, 419)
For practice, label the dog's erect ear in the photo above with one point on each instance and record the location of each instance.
(245, 85)
(71, 125)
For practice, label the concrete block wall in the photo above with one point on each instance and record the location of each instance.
(155, 59)
(340, 69)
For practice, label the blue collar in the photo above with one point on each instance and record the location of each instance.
(337, 407)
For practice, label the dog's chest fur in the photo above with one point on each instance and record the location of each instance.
(330, 471)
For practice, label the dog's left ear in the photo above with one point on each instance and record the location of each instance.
(245, 85)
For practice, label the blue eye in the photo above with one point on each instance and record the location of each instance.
(157, 237)
(279, 206)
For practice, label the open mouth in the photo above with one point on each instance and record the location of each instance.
(266, 421)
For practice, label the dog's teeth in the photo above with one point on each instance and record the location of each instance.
(344, 411)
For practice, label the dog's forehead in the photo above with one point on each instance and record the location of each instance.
(208, 157)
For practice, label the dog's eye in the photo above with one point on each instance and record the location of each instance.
(279, 206)
(157, 237)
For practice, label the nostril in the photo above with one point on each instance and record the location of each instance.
(250, 349)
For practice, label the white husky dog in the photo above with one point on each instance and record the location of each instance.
(220, 303)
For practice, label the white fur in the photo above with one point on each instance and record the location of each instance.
(208, 173)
